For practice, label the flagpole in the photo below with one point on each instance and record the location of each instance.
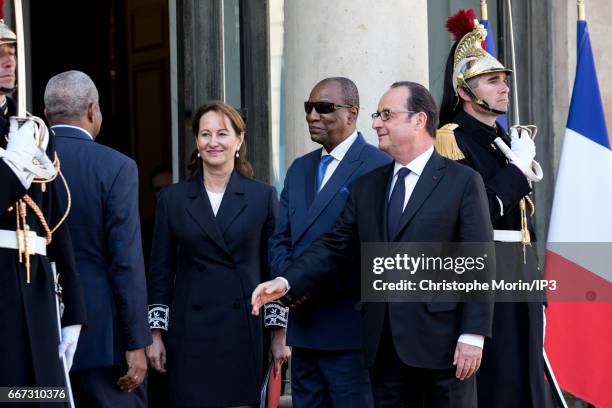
(581, 13)
(484, 15)
(515, 107)
(21, 74)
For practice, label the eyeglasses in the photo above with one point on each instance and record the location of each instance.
(323, 107)
(386, 114)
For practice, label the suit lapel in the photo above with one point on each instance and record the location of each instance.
(198, 207)
(310, 175)
(232, 204)
(380, 204)
(349, 164)
(428, 180)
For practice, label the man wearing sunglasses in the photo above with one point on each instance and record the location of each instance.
(327, 363)
(419, 354)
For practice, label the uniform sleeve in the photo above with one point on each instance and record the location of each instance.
(509, 185)
(11, 188)
(162, 270)
(275, 314)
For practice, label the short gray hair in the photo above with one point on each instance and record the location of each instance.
(68, 95)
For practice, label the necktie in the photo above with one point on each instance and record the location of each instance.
(396, 203)
(325, 160)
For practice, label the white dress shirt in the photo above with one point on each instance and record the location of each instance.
(215, 200)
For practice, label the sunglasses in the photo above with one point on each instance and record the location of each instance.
(323, 107)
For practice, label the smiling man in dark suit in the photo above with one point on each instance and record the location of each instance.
(419, 354)
(327, 363)
(105, 227)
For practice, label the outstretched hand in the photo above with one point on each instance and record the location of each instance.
(266, 292)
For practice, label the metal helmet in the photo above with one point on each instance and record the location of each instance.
(470, 59)
(7, 36)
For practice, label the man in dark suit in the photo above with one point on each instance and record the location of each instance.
(106, 229)
(419, 354)
(327, 363)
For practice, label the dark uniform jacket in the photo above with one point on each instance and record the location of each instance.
(512, 370)
(205, 268)
(30, 337)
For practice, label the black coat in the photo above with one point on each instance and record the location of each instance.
(205, 268)
(448, 204)
(29, 343)
(512, 369)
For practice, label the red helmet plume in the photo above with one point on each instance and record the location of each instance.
(461, 23)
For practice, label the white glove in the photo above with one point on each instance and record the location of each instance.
(68, 345)
(21, 149)
(45, 168)
(45, 132)
(522, 146)
(21, 140)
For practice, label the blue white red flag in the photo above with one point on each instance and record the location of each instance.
(578, 252)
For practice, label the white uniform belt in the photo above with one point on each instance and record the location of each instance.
(507, 236)
(36, 244)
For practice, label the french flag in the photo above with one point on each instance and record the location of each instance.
(578, 256)
(490, 48)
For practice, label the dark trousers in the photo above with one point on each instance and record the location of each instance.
(97, 387)
(158, 391)
(329, 378)
(396, 385)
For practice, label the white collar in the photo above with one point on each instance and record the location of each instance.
(417, 164)
(339, 151)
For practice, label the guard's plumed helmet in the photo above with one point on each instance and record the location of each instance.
(470, 59)
(7, 36)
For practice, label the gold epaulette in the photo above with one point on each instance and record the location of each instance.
(446, 143)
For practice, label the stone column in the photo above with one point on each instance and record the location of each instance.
(372, 43)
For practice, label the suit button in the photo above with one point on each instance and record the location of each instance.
(236, 305)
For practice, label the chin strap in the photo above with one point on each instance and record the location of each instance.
(483, 104)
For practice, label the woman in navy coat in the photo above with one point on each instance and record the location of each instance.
(209, 253)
